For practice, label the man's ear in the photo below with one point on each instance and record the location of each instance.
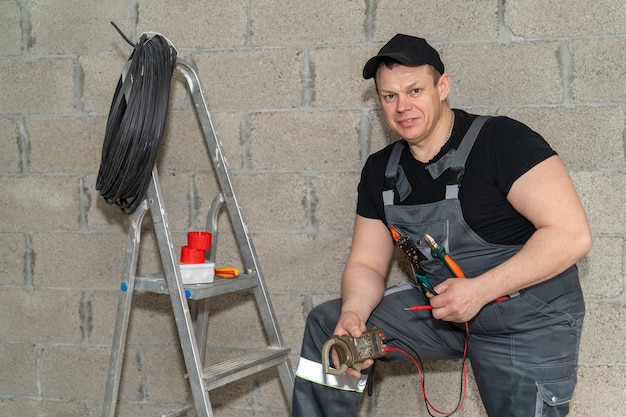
(443, 86)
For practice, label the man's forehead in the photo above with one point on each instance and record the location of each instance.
(404, 75)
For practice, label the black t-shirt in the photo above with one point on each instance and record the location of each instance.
(504, 150)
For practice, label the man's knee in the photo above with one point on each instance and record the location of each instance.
(324, 316)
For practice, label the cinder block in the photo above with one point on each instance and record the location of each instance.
(601, 200)
(337, 76)
(290, 312)
(602, 334)
(149, 257)
(12, 259)
(489, 74)
(78, 260)
(40, 316)
(599, 392)
(196, 23)
(206, 188)
(176, 199)
(100, 215)
(36, 408)
(265, 79)
(575, 134)
(532, 19)
(317, 299)
(43, 86)
(183, 146)
(132, 380)
(52, 152)
(19, 370)
(39, 203)
(142, 410)
(179, 90)
(296, 262)
(100, 76)
(9, 146)
(271, 396)
(300, 141)
(186, 135)
(301, 22)
(399, 392)
(74, 373)
(381, 135)
(90, 25)
(237, 412)
(152, 322)
(10, 27)
(444, 20)
(234, 323)
(601, 270)
(273, 200)
(335, 196)
(165, 376)
(598, 70)
(103, 305)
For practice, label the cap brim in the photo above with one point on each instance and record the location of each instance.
(369, 70)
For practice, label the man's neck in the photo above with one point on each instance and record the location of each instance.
(428, 149)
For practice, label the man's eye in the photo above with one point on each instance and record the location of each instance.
(388, 97)
(416, 91)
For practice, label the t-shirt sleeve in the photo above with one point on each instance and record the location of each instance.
(369, 201)
(515, 150)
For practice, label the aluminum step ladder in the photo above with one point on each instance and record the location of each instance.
(190, 303)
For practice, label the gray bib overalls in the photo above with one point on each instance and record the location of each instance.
(523, 351)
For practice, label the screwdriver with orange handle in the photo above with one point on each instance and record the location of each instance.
(439, 252)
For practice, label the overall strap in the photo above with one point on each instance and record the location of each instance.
(455, 159)
(394, 177)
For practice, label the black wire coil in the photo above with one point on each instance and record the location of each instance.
(136, 122)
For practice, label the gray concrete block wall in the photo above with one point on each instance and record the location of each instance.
(282, 79)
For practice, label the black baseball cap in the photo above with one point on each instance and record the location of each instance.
(407, 50)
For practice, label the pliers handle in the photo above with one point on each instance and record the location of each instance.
(415, 257)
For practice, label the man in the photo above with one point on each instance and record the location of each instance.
(502, 204)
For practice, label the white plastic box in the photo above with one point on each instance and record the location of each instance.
(198, 273)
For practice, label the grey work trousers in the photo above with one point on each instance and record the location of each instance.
(523, 351)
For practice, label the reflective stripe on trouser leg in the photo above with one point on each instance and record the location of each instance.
(314, 372)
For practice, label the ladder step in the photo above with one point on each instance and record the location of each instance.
(239, 367)
(157, 284)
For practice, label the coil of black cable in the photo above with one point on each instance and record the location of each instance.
(136, 122)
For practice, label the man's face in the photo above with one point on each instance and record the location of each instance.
(413, 104)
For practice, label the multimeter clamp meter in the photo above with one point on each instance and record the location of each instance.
(352, 351)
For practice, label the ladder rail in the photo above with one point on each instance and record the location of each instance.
(118, 346)
(182, 315)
